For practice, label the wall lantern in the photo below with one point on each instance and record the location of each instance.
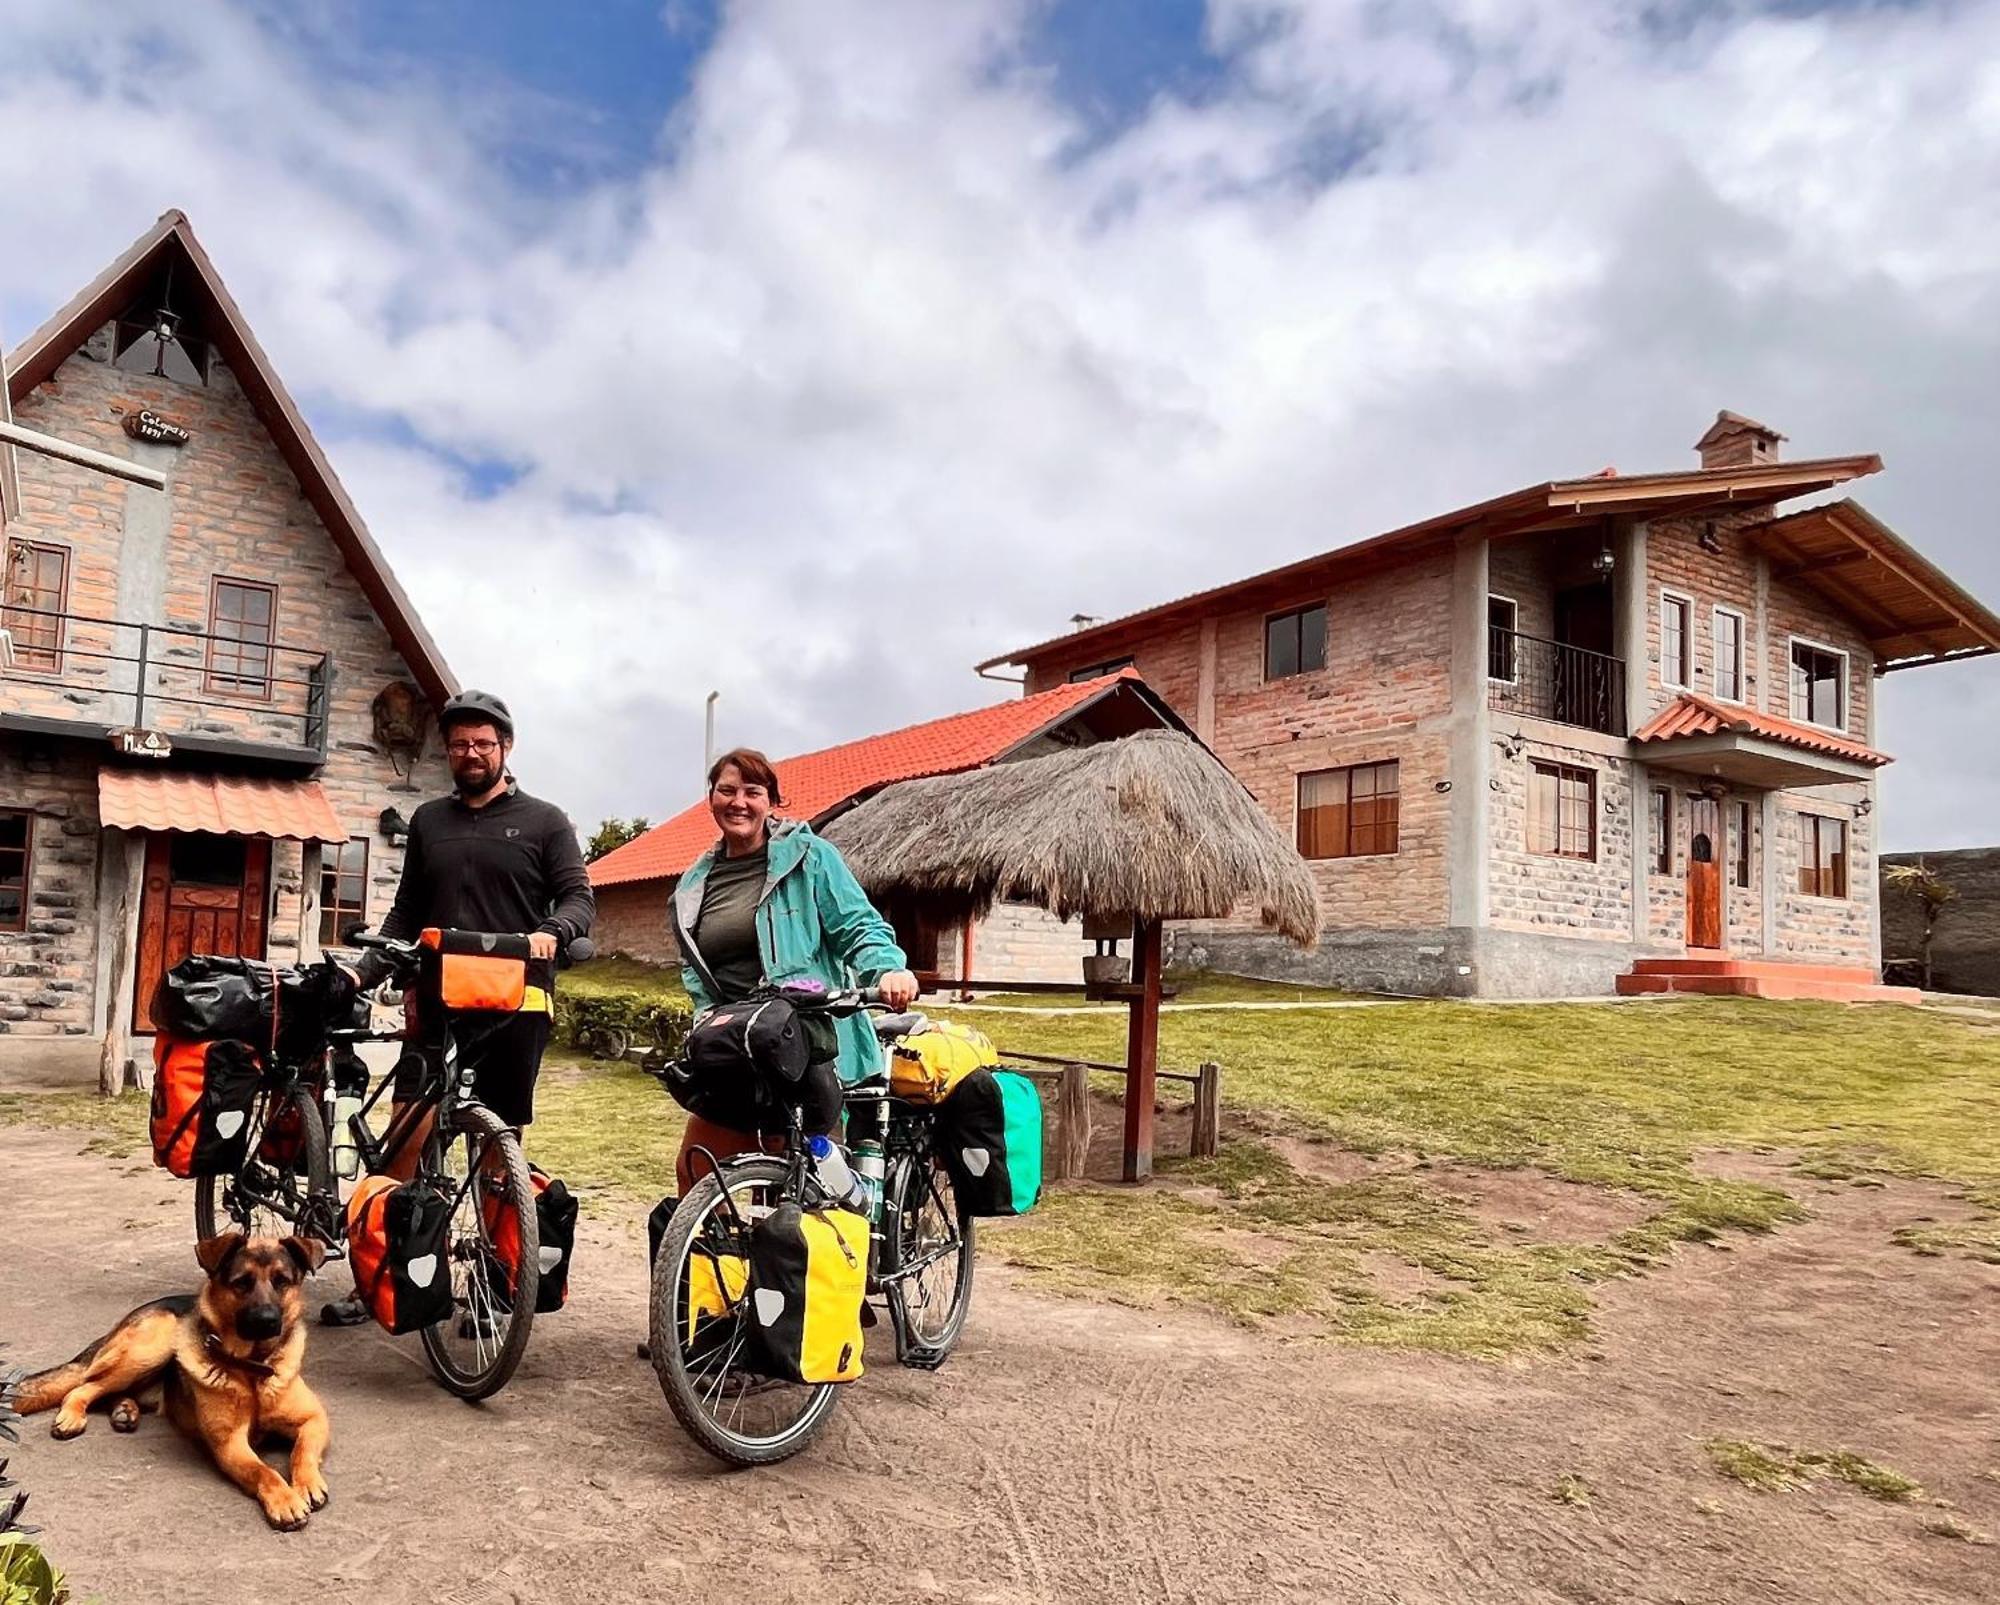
(394, 826)
(1605, 561)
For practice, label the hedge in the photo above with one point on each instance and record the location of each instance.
(638, 1013)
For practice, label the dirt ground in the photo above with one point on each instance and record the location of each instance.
(1070, 1451)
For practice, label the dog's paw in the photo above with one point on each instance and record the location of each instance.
(125, 1416)
(313, 1488)
(68, 1423)
(286, 1508)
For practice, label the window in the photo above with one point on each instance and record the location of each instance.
(242, 617)
(343, 889)
(17, 835)
(1503, 617)
(1819, 685)
(37, 586)
(1295, 643)
(1661, 822)
(1728, 654)
(1822, 856)
(1097, 671)
(1349, 813)
(1675, 667)
(1562, 811)
(1739, 861)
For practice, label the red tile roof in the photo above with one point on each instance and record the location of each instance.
(815, 782)
(1690, 715)
(224, 805)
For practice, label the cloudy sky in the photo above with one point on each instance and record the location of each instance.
(813, 350)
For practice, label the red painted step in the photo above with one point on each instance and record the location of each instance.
(1779, 969)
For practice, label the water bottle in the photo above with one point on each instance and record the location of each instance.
(843, 1189)
(346, 1156)
(870, 1167)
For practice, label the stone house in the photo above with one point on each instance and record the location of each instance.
(215, 700)
(1615, 731)
(1015, 942)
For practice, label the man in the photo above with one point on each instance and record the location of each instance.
(487, 858)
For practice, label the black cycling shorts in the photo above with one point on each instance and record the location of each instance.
(506, 1056)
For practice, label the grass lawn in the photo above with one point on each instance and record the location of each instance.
(1616, 1098)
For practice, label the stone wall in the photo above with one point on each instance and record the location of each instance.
(48, 972)
(1588, 899)
(1965, 948)
(1826, 929)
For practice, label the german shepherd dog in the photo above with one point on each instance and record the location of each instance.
(227, 1362)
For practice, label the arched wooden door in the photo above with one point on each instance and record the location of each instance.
(203, 894)
(1704, 872)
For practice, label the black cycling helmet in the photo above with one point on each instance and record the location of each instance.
(477, 707)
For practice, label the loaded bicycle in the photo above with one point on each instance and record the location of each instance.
(919, 1251)
(466, 1157)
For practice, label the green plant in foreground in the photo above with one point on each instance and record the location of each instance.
(1774, 1468)
(1572, 1489)
(27, 1576)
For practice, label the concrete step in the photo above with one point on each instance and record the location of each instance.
(1781, 969)
(1774, 987)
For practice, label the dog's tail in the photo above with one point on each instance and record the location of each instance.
(44, 1390)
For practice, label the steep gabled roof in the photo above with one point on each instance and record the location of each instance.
(111, 292)
(815, 783)
(1551, 506)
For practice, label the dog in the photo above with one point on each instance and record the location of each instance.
(226, 1362)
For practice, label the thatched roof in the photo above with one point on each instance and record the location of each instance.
(1151, 825)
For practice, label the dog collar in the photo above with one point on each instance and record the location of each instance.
(211, 1343)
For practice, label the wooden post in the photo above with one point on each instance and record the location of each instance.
(1207, 1134)
(1142, 1051)
(1072, 1157)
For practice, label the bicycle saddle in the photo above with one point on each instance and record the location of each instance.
(888, 1027)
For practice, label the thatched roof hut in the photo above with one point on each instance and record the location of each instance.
(1151, 825)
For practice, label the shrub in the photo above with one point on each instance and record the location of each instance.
(646, 1017)
(26, 1575)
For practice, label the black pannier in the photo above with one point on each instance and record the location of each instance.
(279, 1010)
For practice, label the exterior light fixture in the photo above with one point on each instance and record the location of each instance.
(394, 826)
(1605, 561)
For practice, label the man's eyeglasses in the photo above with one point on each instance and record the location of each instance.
(466, 749)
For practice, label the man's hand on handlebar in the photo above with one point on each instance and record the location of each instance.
(542, 944)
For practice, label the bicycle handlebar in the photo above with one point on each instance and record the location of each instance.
(404, 955)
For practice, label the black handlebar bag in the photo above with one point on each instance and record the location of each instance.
(740, 1060)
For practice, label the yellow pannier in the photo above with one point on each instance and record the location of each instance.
(927, 1064)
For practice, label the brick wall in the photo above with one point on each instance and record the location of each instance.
(1019, 942)
(634, 920)
(48, 972)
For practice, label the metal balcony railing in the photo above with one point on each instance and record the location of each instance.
(1551, 680)
(182, 683)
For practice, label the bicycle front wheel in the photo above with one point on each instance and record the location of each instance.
(273, 1193)
(927, 1258)
(698, 1332)
(474, 1350)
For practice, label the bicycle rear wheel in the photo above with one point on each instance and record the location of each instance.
(285, 1188)
(927, 1258)
(474, 1350)
(738, 1415)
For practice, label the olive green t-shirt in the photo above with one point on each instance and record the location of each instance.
(726, 928)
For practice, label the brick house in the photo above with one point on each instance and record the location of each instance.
(214, 699)
(1592, 724)
(1015, 942)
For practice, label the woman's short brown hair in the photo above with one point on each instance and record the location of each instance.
(752, 765)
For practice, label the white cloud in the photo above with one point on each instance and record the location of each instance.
(884, 366)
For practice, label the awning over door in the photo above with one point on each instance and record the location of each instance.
(222, 805)
(1740, 745)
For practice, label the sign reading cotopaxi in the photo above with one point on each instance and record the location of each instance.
(149, 426)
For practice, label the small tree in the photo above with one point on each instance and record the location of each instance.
(613, 834)
(1931, 891)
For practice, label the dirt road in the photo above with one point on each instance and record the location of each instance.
(1069, 1452)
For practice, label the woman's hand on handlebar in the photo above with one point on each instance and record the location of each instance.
(898, 989)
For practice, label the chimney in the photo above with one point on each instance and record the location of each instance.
(1734, 441)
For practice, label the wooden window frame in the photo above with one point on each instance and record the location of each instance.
(223, 682)
(1513, 629)
(1661, 829)
(1325, 639)
(1563, 774)
(1739, 857)
(23, 664)
(332, 909)
(27, 817)
(1347, 772)
(1800, 708)
(1719, 613)
(1097, 671)
(1816, 869)
(1683, 678)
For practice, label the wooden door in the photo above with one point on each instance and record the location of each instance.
(203, 894)
(1704, 873)
(1583, 685)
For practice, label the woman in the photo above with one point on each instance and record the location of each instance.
(773, 902)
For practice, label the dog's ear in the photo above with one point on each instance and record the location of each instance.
(213, 1253)
(309, 1252)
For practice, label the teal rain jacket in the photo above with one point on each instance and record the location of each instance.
(812, 920)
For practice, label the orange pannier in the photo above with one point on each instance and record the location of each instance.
(479, 972)
(204, 1094)
(398, 1240)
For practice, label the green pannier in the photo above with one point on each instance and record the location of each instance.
(990, 1137)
